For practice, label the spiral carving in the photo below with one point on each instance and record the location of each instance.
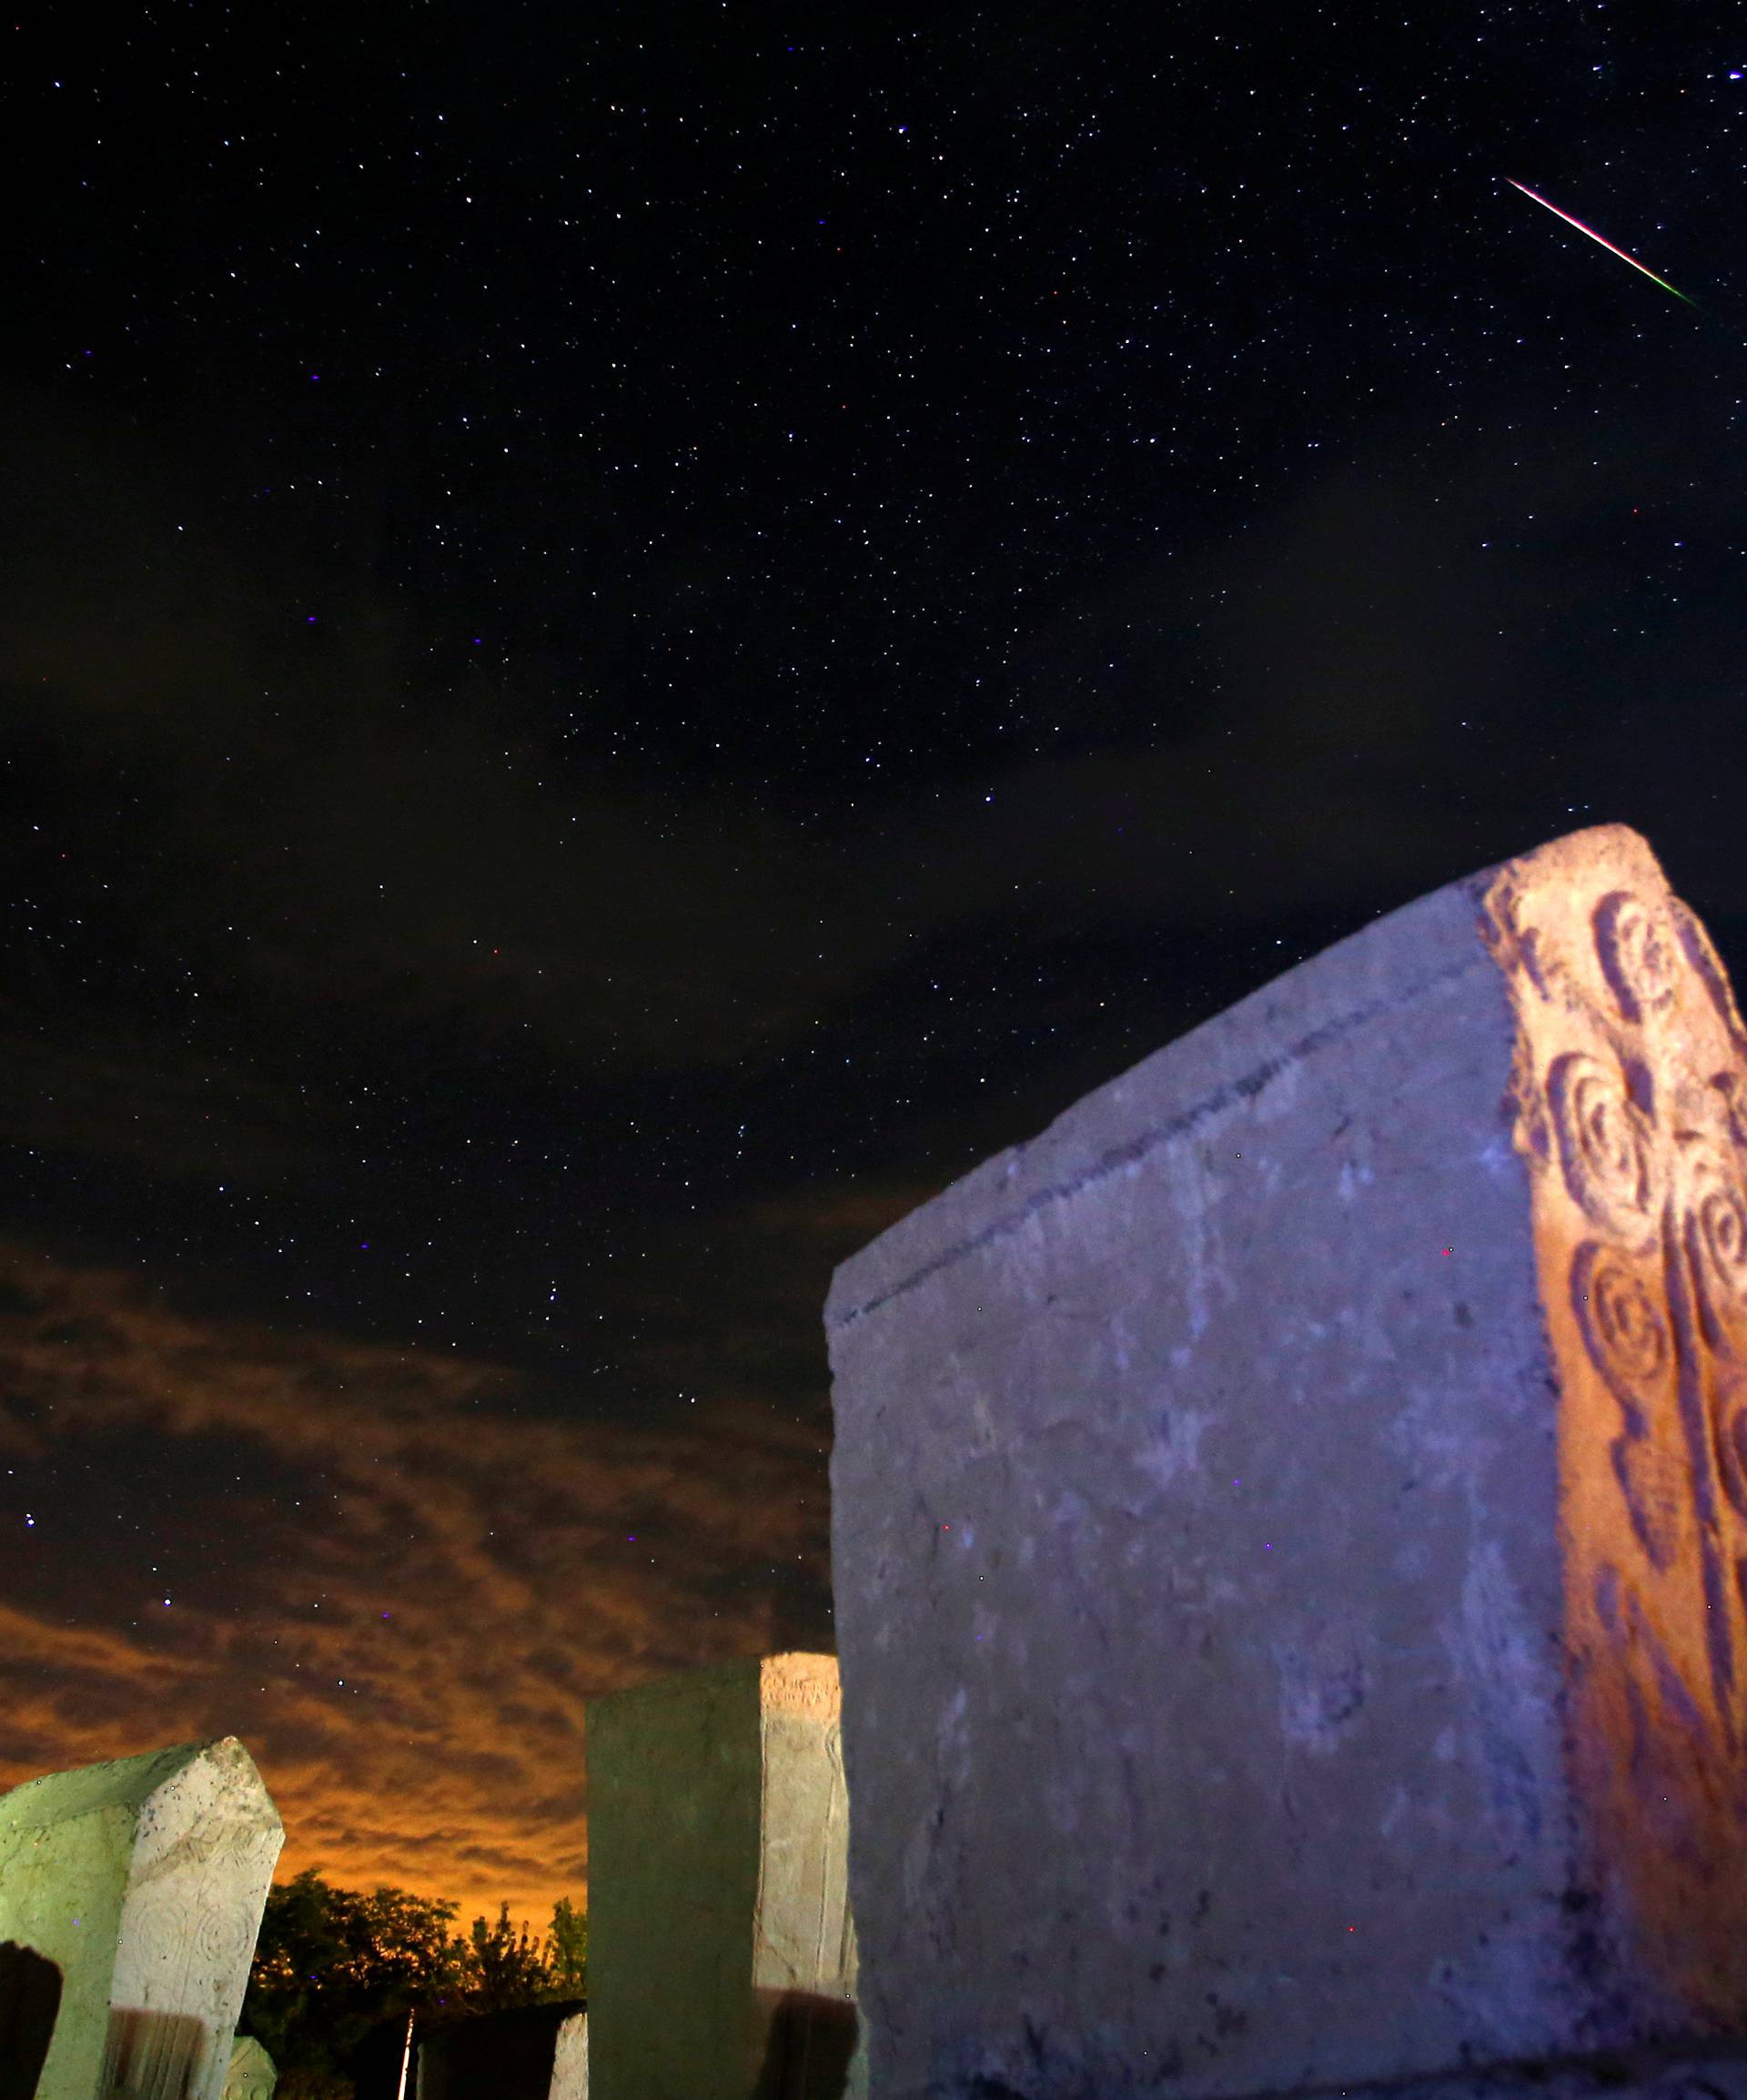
(1603, 1142)
(1637, 953)
(1728, 1423)
(1629, 1338)
(220, 1935)
(1714, 1224)
(1625, 1323)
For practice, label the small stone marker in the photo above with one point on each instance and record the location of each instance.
(143, 1882)
(722, 1958)
(1291, 1531)
(251, 2075)
(571, 2060)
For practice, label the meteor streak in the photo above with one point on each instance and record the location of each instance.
(1595, 237)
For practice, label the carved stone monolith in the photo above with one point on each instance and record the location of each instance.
(1290, 1533)
(722, 1956)
(142, 1882)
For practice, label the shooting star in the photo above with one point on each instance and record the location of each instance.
(1595, 237)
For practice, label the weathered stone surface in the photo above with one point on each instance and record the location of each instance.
(1290, 1525)
(571, 2060)
(143, 1882)
(722, 1959)
(250, 2074)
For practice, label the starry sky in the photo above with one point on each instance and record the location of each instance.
(630, 635)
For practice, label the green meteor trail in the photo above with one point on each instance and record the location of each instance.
(1621, 252)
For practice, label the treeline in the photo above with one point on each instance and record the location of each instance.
(337, 1972)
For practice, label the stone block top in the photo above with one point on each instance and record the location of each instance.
(1238, 1055)
(801, 1684)
(124, 1782)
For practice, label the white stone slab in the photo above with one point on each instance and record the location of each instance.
(142, 1882)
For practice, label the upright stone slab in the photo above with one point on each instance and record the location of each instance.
(571, 2060)
(1291, 1531)
(721, 1960)
(142, 1882)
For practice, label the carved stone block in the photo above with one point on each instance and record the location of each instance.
(1291, 1531)
(142, 1882)
(722, 1956)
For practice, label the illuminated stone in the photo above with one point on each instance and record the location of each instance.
(722, 1957)
(250, 2074)
(143, 1884)
(1290, 1530)
(571, 2060)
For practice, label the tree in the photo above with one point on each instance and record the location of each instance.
(503, 1967)
(567, 1949)
(334, 1967)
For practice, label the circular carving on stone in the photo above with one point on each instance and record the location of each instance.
(1637, 952)
(1631, 1340)
(218, 1934)
(1603, 1141)
(1625, 1323)
(1731, 1442)
(1714, 1224)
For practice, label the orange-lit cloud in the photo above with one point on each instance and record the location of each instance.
(397, 1589)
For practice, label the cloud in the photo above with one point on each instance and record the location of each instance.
(397, 1588)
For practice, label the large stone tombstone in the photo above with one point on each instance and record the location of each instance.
(142, 1882)
(1290, 1532)
(722, 1956)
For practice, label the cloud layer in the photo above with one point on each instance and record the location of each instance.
(396, 1587)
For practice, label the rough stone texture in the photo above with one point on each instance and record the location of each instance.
(143, 1882)
(1290, 1525)
(571, 2060)
(722, 1959)
(250, 2074)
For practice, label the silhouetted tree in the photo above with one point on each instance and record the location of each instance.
(567, 1949)
(503, 1967)
(334, 1967)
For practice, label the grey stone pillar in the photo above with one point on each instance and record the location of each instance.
(142, 1882)
(721, 1960)
(1290, 1532)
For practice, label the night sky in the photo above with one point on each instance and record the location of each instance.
(630, 635)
